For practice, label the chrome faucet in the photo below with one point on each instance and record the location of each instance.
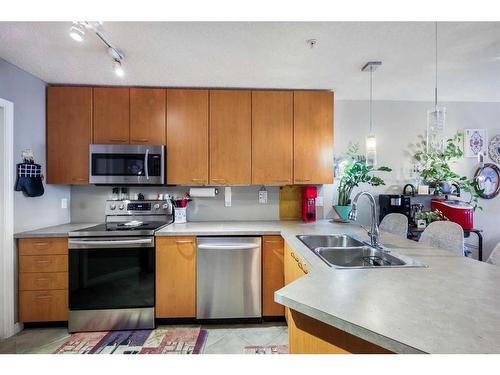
(373, 232)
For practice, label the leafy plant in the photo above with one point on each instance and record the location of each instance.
(430, 216)
(355, 172)
(434, 168)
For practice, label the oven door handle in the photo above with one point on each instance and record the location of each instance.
(146, 159)
(110, 243)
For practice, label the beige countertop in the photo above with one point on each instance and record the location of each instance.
(61, 230)
(451, 306)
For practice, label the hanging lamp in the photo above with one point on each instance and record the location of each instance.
(371, 140)
(436, 116)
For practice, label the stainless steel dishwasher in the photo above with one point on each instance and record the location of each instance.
(228, 281)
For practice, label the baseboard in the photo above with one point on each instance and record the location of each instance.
(277, 318)
(46, 324)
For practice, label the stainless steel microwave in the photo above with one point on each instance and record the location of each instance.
(127, 164)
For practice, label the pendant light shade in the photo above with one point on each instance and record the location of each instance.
(371, 140)
(436, 117)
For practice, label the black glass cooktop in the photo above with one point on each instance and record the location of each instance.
(120, 229)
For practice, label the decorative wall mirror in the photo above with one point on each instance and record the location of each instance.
(488, 178)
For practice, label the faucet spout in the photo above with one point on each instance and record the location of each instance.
(374, 232)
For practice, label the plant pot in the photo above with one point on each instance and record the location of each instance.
(342, 213)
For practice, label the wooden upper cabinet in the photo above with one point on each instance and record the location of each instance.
(272, 137)
(187, 137)
(230, 137)
(147, 116)
(69, 133)
(111, 115)
(313, 137)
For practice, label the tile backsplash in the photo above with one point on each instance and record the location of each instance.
(87, 203)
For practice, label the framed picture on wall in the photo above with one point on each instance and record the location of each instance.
(475, 142)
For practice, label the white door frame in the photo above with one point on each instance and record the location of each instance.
(8, 326)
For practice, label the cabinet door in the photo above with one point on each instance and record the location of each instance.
(147, 116)
(313, 137)
(272, 137)
(272, 274)
(111, 115)
(175, 277)
(230, 137)
(187, 137)
(69, 133)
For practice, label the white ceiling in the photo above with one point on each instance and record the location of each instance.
(270, 55)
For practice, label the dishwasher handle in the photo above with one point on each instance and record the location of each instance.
(229, 246)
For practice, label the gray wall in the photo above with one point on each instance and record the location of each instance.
(87, 203)
(397, 125)
(28, 95)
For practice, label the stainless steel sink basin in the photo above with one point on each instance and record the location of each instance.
(337, 240)
(344, 251)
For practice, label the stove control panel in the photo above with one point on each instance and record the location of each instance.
(128, 207)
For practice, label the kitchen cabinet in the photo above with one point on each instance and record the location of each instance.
(43, 279)
(313, 137)
(230, 137)
(187, 137)
(272, 274)
(69, 133)
(272, 137)
(147, 116)
(111, 115)
(175, 277)
(294, 266)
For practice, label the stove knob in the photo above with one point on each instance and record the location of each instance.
(112, 206)
(156, 206)
(165, 206)
(121, 207)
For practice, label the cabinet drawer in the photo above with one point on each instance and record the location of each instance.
(43, 281)
(43, 246)
(43, 306)
(43, 263)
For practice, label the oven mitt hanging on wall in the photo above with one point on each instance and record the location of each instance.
(29, 179)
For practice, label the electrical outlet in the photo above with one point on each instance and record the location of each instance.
(64, 202)
(319, 202)
(227, 196)
(263, 196)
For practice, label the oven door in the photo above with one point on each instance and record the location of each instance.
(111, 273)
(126, 164)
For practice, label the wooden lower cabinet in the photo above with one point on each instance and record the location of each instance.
(43, 279)
(272, 274)
(310, 336)
(175, 277)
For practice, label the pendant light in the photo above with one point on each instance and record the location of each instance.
(436, 116)
(371, 140)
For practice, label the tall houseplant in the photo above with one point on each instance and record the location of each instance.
(355, 172)
(435, 168)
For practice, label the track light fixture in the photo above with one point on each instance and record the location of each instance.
(77, 32)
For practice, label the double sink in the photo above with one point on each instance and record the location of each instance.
(344, 251)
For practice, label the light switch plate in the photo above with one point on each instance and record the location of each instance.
(263, 196)
(64, 202)
(319, 202)
(227, 196)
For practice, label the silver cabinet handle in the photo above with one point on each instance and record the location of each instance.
(228, 247)
(183, 241)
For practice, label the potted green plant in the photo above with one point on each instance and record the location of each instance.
(355, 172)
(434, 168)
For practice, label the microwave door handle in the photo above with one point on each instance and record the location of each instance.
(146, 159)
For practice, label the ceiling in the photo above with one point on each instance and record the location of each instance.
(270, 55)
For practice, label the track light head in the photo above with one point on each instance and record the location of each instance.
(117, 67)
(77, 32)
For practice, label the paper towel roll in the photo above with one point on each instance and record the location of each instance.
(202, 192)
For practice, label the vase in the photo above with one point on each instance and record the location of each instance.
(342, 212)
(445, 187)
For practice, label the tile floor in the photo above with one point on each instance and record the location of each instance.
(222, 339)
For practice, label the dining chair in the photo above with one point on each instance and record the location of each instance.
(445, 235)
(395, 223)
(494, 257)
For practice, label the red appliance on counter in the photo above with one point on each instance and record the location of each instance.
(309, 195)
(457, 211)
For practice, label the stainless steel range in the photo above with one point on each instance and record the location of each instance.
(112, 268)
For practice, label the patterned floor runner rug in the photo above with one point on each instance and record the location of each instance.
(157, 341)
